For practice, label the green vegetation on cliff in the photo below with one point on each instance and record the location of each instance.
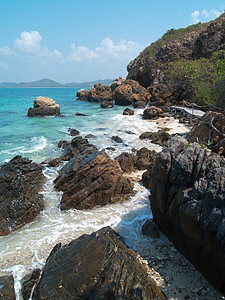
(204, 76)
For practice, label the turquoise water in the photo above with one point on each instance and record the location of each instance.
(37, 138)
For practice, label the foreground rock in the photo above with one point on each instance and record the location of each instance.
(7, 288)
(187, 199)
(77, 146)
(203, 132)
(96, 266)
(44, 106)
(90, 180)
(20, 201)
(152, 112)
(130, 92)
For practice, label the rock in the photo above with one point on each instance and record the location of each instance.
(152, 112)
(126, 161)
(44, 106)
(151, 229)
(117, 139)
(63, 144)
(116, 82)
(100, 93)
(28, 283)
(131, 93)
(20, 200)
(145, 158)
(203, 132)
(160, 137)
(128, 111)
(146, 177)
(82, 95)
(55, 162)
(111, 149)
(107, 104)
(73, 132)
(80, 115)
(77, 146)
(187, 188)
(90, 180)
(95, 266)
(7, 288)
(89, 136)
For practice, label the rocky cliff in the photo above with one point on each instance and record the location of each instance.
(153, 65)
(188, 203)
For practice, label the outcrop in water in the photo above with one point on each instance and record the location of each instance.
(20, 199)
(96, 266)
(92, 179)
(187, 199)
(99, 93)
(44, 106)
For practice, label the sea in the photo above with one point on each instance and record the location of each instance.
(37, 138)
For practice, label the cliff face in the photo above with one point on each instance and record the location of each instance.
(194, 42)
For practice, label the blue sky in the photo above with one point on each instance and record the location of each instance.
(83, 40)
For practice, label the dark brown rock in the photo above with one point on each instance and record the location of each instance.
(204, 133)
(44, 106)
(7, 288)
(63, 144)
(152, 112)
(80, 114)
(28, 282)
(117, 139)
(55, 162)
(77, 146)
(160, 137)
(130, 92)
(126, 161)
(187, 199)
(20, 200)
(73, 132)
(128, 111)
(145, 158)
(96, 266)
(90, 180)
(82, 95)
(107, 104)
(151, 229)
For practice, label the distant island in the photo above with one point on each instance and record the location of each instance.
(48, 83)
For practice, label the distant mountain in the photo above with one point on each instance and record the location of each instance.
(88, 83)
(51, 84)
(40, 83)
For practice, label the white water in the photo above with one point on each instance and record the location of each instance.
(28, 247)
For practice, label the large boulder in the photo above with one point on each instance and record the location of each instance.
(152, 112)
(90, 180)
(130, 92)
(203, 132)
(145, 158)
(99, 93)
(20, 200)
(187, 199)
(95, 266)
(116, 82)
(160, 137)
(44, 106)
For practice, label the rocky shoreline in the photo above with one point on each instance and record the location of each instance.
(164, 264)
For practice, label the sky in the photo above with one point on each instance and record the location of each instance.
(85, 40)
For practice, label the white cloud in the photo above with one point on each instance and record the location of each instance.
(195, 17)
(6, 51)
(107, 50)
(29, 42)
(81, 53)
(205, 15)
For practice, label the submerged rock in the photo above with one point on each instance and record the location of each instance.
(117, 139)
(90, 180)
(44, 106)
(20, 200)
(95, 266)
(187, 199)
